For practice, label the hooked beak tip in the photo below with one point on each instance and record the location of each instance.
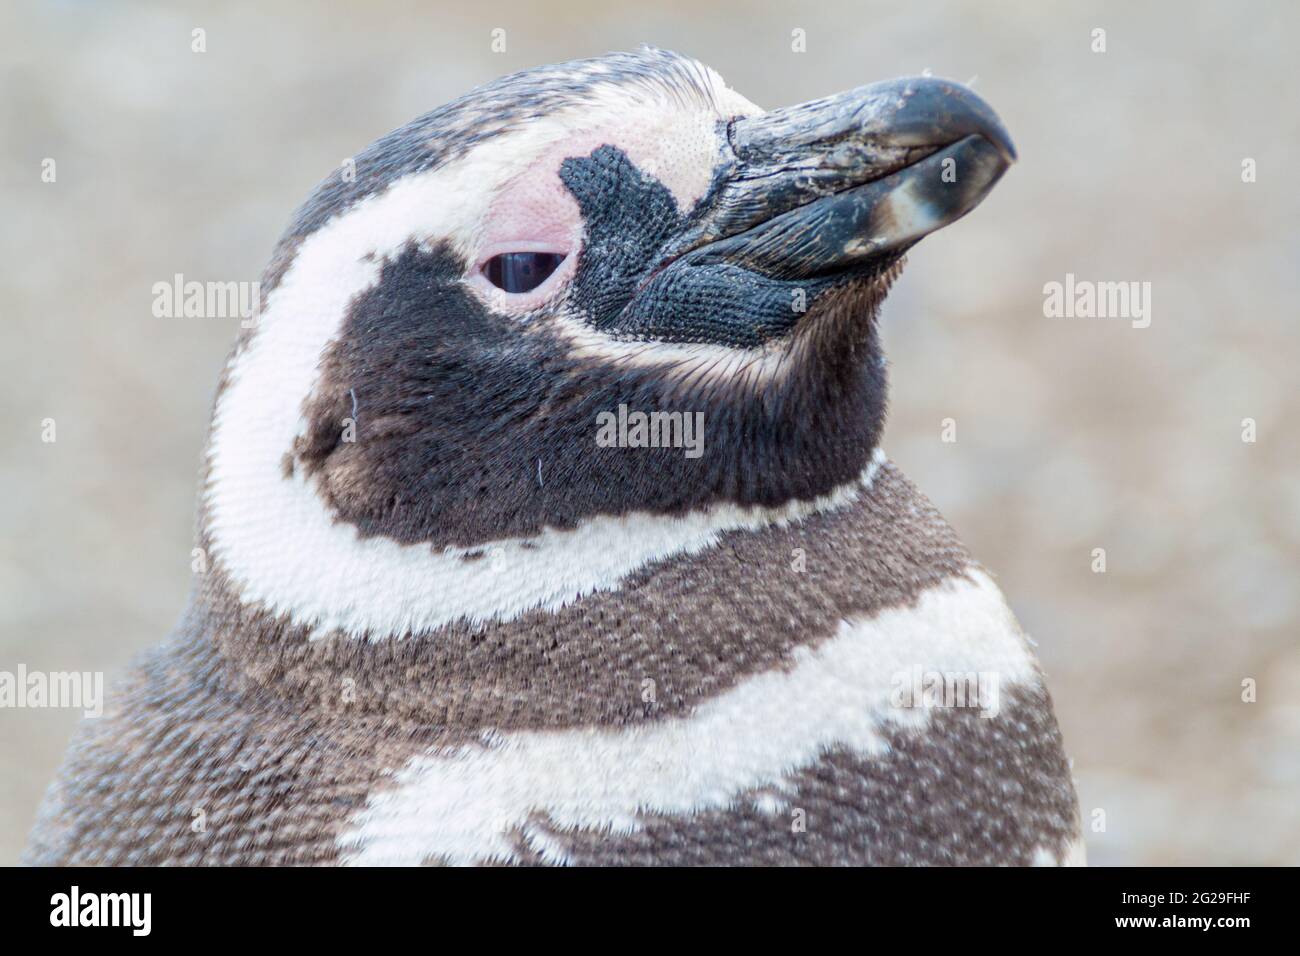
(938, 112)
(841, 183)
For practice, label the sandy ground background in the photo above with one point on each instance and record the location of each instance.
(1071, 434)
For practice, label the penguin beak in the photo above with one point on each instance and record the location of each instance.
(836, 184)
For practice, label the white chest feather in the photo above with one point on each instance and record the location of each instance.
(465, 806)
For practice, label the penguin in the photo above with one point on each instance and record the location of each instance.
(545, 518)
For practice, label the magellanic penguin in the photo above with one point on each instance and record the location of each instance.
(443, 622)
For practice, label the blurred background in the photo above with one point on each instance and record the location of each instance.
(1072, 434)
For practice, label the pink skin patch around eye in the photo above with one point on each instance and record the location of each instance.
(535, 212)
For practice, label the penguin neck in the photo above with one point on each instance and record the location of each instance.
(584, 655)
(296, 569)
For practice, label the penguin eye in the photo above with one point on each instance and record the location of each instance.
(521, 271)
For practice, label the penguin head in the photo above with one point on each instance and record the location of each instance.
(452, 315)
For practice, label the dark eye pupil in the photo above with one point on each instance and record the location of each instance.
(521, 271)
